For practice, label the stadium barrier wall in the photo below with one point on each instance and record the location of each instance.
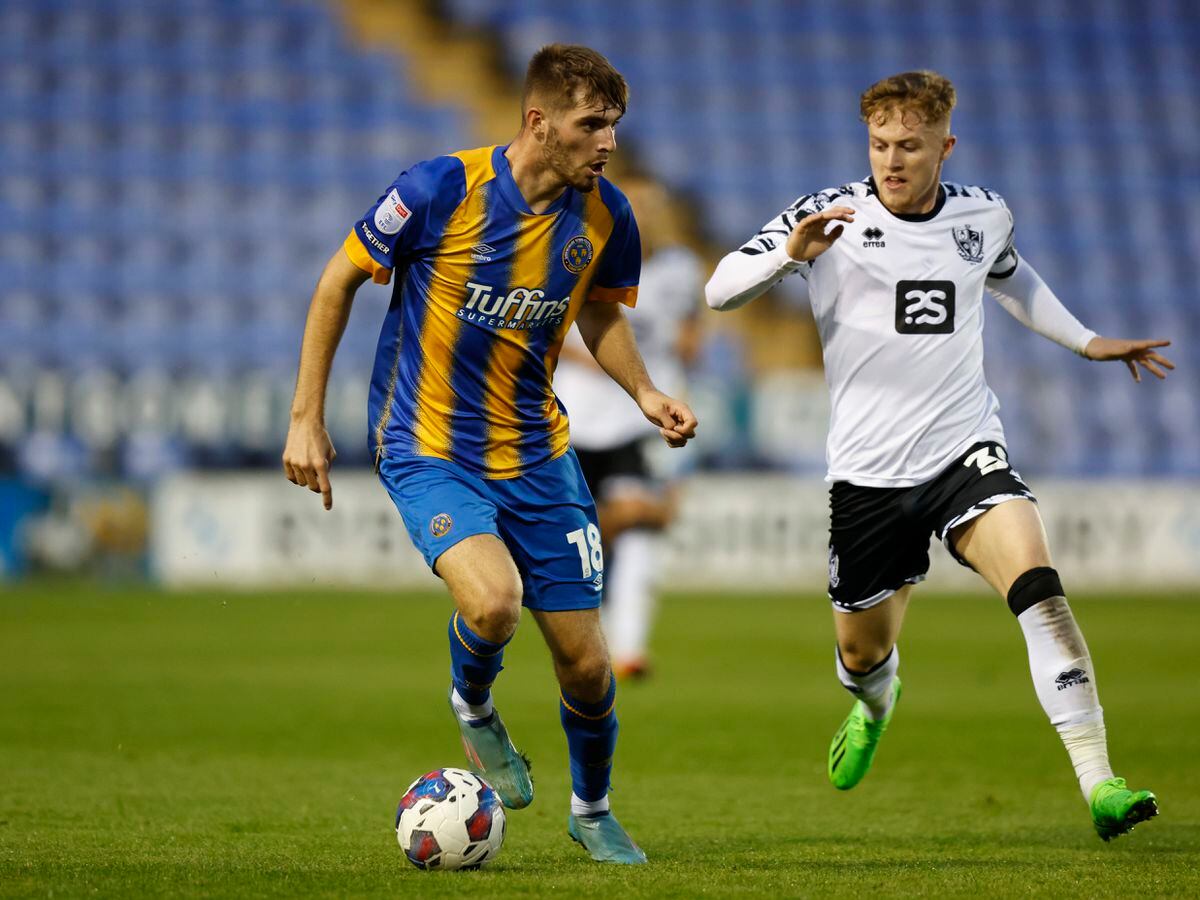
(740, 532)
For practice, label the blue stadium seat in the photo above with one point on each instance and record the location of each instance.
(173, 177)
(1090, 138)
(210, 154)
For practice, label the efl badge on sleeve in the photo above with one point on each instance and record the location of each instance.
(969, 242)
(391, 215)
(577, 254)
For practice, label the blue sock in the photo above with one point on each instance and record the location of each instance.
(591, 739)
(474, 662)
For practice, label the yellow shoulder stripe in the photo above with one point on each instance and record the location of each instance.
(478, 164)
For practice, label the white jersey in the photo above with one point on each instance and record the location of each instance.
(601, 414)
(898, 303)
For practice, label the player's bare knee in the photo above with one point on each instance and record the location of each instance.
(585, 676)
(862, 656)
(494, 611)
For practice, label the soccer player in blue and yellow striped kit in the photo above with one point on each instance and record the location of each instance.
(495, 253)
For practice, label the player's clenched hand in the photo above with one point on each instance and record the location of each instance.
(809, 239)
(307, 457)
(1132, 353)
(675, 421)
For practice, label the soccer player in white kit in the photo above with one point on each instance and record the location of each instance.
(633, 485)
(896, 268)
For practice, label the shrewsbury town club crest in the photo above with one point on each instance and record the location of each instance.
(577, 254)
(440, 525)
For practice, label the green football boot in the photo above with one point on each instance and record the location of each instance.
(493, 757)
(604, 839)
(853, 746)
(1116, 809)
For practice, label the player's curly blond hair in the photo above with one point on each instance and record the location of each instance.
(927, 94)
(558, 71)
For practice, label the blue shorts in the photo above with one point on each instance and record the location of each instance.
(546, 518)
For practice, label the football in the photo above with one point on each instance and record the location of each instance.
(450, 819)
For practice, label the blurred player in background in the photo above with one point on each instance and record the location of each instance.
(915, 444)
(496, 252)
(617, 448)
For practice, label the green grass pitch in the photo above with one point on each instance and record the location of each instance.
(238, 744)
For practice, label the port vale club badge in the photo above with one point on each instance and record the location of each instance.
(969, 242)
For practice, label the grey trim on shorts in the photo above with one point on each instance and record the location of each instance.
(874, 599)
(974, 513)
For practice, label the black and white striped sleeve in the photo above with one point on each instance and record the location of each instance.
(1006, 263)
(760, 263)
(775, 233)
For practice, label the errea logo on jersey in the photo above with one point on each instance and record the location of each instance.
(925, 307)
(873, 237)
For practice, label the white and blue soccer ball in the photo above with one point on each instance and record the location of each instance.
(450, 819)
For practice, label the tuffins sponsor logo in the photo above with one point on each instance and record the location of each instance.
(391, 215)
(925, 307)
(577, 254)
(374, 241)
(1071, 677)
(520, 308)
(969, 242)
(873, 237)
(440, 525)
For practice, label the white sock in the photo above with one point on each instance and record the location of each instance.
(588, 808)
(470, 712)
(873, 688)
(1087, 746)
(1065, 682)
(629, 597)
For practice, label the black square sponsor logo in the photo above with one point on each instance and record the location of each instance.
(925, 307)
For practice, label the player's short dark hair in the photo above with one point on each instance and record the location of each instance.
(560, 72)
(930, 95)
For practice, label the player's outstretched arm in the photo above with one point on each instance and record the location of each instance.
(1132, 353)
(610, 339)
(308, 453)
(750, 271)
(1031, 302)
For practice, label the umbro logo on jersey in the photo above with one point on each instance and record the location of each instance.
(482, 252)
(873, 237)
(969, 242)
(925, 307)
(1070, 677)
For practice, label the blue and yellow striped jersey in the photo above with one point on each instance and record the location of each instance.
(485, 293)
